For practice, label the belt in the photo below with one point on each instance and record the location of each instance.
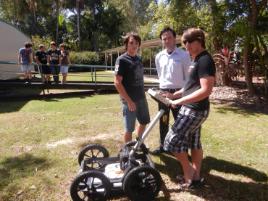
(170, 90)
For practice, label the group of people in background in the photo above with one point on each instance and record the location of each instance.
(187, 79)
(51, 62)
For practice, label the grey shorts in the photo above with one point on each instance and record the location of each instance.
(185, 132)
(26, 68)
(141, 114)
(64, 69)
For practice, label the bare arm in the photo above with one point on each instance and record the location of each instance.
(121, 90)
(206, 83)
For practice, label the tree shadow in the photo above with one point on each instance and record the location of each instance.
(239, 108)
(217, 188)
(13, 168)
(15, 103)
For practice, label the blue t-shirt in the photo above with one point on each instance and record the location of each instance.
(25, 55)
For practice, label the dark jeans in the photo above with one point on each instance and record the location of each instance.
(164, 120)
(55, 70)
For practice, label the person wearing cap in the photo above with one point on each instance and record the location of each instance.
(185, 133)
(41, 60)
(53, 60)
(25, 59)
(129, 83)
(64, 62)
(172, 66)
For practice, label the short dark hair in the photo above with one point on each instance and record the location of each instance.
(28, 45)
(131, 34)
(167, 29)
(193, 34)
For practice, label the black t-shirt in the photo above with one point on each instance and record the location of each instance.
(131, 69)
(42, 56)
(203, 66)
(54, 56)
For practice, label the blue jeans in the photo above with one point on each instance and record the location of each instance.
(55, 70)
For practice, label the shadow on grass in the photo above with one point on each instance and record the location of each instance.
(241, 108)
(15, 168)
(16, 103)
(218, 188)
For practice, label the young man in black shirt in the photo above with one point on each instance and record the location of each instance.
(129, 83)
(53, 60)
(194, 98)
(41, 60)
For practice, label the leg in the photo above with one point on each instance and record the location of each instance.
(142, 115)
(163, 128)
(57, 72)
(140, 130)
(184, 135)
(127, 137)
(187, 167)
(197, 157)
(64, 76)
(129, 118)
(196, 152)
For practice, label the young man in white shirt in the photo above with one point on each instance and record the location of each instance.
(172, 65)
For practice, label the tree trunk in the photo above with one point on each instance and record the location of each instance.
(247, 67)
(57, 21)
(78, 23)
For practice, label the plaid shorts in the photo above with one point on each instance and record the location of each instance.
(185, 132)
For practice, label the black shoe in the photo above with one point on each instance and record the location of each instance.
(198, 183)
(158, 151)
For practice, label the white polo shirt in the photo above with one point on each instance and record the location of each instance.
(172, 69)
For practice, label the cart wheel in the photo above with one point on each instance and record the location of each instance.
(93, 151)
(142, 183)
(90, 185)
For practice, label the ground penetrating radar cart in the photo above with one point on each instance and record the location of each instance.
(131, 172)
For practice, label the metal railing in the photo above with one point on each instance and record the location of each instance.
(96, 72)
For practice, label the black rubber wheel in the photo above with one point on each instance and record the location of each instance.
(142, 183)
(91, 185)
(93, 151)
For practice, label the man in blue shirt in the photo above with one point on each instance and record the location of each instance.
(25, 59)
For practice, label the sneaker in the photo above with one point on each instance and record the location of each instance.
(186, 186)
(180, 179)
(198, 183)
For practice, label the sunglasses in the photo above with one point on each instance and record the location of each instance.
(188, 41)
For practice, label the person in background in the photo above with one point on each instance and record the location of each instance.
(25, 59)
(41, 60)
(129, 83)
(172, 66)
(64, 62)
(185, 133)
(53, 60)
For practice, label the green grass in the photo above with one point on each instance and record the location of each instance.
(40, 140)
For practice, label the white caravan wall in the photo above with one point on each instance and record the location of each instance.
(11, 40)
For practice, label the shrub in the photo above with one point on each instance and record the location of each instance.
(90, 58)
(85, 58)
